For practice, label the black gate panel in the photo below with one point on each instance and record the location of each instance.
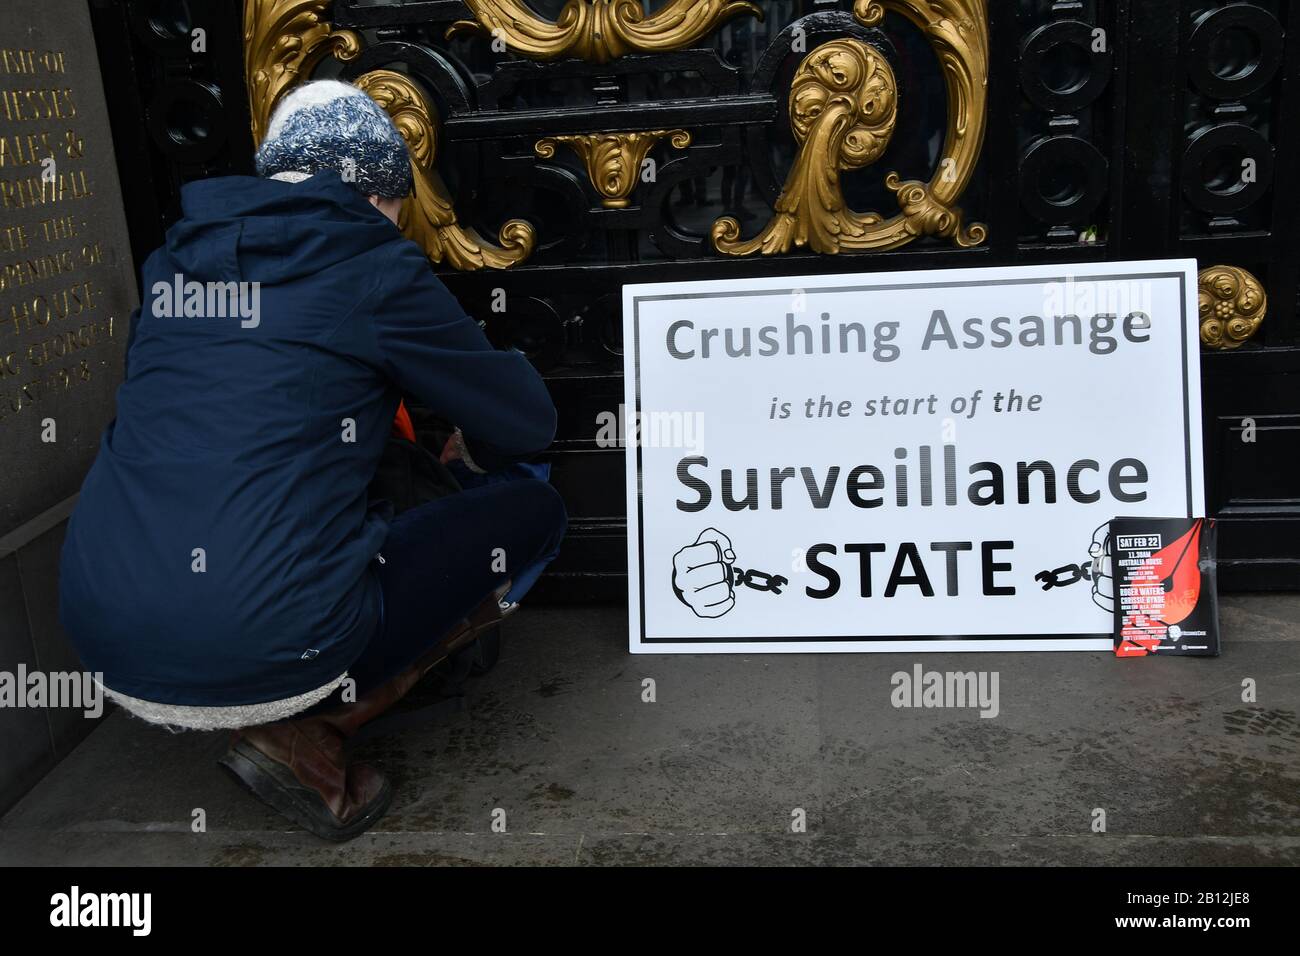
(566, 147)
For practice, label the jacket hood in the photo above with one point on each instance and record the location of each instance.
(243, 228)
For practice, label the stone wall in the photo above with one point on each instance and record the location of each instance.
(66, 294)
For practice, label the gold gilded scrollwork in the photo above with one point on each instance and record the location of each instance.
(284, 40)
(613, 160)
(1232, 306)
(428, 216)
(842, 106)
(843, 102)
(599, 30)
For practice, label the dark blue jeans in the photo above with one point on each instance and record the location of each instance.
(443, 558)
(524, 578)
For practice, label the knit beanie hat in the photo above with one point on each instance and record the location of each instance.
(327, 124)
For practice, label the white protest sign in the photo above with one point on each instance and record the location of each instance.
(913, 461)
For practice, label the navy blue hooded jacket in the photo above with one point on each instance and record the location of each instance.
(230, 437)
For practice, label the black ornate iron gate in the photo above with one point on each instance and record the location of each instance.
(565, 147)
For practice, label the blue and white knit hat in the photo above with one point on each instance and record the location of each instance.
(327, 124)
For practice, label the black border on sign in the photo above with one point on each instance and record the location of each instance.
(886, 287)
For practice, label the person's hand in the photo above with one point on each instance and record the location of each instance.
(454, 448)
(702, 575)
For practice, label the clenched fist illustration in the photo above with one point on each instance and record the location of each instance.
(702, 575)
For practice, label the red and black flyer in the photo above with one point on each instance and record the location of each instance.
(1166, 599)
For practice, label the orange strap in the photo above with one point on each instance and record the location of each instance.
(402, 426)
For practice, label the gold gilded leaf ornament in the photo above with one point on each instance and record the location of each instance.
(839, 101)
(599, 30)
(428, 216)
(613, 160)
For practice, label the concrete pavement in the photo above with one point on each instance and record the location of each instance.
(717, 768)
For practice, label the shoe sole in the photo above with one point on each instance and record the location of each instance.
(265, 779)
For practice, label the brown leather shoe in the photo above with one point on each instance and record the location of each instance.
(300, 768)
